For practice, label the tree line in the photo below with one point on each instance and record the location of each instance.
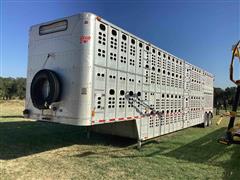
(11, 88)
(224, 97)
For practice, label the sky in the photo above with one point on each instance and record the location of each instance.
(200, 32)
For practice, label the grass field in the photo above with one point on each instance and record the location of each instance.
(37, 150)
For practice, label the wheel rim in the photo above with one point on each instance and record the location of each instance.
(206, 123)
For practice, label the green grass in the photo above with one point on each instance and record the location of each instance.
(37, 150)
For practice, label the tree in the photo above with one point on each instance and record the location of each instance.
(11, 88)
(230, 94)
(218, 96)
(21, 87)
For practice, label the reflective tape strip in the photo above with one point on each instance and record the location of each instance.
(169, 115)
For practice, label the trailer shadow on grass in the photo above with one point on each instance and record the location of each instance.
(204, 150)
(208, 151)
(23, 138)
(16, 116)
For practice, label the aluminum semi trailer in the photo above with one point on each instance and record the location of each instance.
(83, 70)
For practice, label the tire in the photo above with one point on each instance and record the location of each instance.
(42, 77)
(210, 116)
(205, 123)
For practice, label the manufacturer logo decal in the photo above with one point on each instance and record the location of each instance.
(85, 39)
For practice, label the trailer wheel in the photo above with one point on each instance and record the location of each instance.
(205, 123)
(210, 116)
(45, 89)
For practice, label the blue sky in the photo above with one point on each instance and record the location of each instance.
(201, 32)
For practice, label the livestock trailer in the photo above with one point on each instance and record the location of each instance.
(83, 70)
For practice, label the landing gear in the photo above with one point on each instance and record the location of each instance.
(139, 144)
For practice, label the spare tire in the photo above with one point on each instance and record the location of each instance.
(45, 89)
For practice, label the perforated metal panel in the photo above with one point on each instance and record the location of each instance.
(151, 126)
(163, 119)
(168, 74)
(208, 92)
(130, 96)
(100, 76)
(111, 98)
(157, 86)
(132, 54)
(121, 95)
(158, 72)
(164, 73)
(112, 50)
(146, 67)
(99, 105)
(123, 58)
(153, 79)
(157, 107)
(139, 58)
(101, 43)
(138, 96)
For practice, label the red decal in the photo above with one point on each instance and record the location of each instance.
(121, 118)
(111, 119)
(85, 38)
(101, 120)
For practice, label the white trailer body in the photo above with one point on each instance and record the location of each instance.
(83, 70)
